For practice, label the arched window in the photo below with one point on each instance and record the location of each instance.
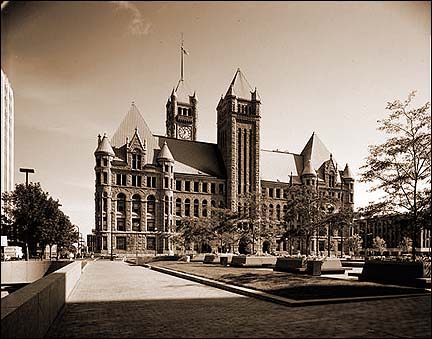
(187, 207)
(121, 212)
(136, 205)
(136, 213)
(213, 203)
(121, 203)
(204, 208)
(178, 207)
(151, 205)
(285, 210)
(196, 208)
(264, 211)
(151, 209)
(331, 179)
(271, 211)
(278, 212)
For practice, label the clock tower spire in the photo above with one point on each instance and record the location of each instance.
(182, 107)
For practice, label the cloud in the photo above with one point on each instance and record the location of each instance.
(138, 24)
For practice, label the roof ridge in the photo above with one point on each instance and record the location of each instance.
(195, 141)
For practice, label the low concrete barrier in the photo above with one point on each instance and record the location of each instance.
(26, 272)
(30, 311)
(198, 257)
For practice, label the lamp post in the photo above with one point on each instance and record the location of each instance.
(27, 171)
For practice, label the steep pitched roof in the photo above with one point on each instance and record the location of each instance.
(278, 166)
(193, 157)
(132, 120)
(240, 87)
(316, 151)
(183, 92)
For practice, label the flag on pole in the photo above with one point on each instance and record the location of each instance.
(184, 51)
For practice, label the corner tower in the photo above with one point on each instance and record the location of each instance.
(238, 138)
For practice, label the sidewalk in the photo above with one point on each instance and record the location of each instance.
(117, 300)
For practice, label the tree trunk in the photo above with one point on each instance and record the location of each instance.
(50, 252)
(414, 238)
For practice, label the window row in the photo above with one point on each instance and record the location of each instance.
(188, 208)
(184, 111)
(122, 244)
(198, 186)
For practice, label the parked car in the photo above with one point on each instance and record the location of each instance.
(13, 253)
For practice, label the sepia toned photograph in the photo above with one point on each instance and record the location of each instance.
(215, 169)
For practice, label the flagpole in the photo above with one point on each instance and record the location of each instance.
(181, 52)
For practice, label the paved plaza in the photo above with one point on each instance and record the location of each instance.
(119, 300)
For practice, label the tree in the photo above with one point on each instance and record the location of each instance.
(308, 211)
(379, 244)
(355, 243)
(401, 166)
(341, 219)
(35, 218)
(405, 245)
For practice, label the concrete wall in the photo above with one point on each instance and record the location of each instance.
(30, 311)
(26, 272)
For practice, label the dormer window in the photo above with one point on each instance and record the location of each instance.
(136, 159)
(331, 180)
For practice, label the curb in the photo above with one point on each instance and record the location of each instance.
(274, 298)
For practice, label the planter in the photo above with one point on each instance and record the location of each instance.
(332, 266)
(391, 272)
(211, 259)
(253, 261)
(291, 265)
(314, 267)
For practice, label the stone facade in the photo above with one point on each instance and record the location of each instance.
(146, 183)
(7, 135)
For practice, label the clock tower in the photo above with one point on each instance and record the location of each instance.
(182, 113)
(182, 109)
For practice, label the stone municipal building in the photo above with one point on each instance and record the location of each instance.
(146, 183)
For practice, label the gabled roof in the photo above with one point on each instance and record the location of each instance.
(132, 120)
(183, 92)
(316, 151)
(240, 87)
(278, 166)
(193, 157)
(104, 147)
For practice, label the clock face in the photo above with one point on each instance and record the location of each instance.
(185, 132)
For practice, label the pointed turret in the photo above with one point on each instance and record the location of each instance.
(308, 169)
(104, 147)
(347, 173)
(165, 154)
(241, 88)
(316, 151)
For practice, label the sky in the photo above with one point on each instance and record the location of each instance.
(324, 67)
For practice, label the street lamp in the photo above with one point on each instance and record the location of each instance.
(27, 171)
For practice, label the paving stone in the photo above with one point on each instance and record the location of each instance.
(118, 300)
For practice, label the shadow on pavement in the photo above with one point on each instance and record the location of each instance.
(241, 317)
